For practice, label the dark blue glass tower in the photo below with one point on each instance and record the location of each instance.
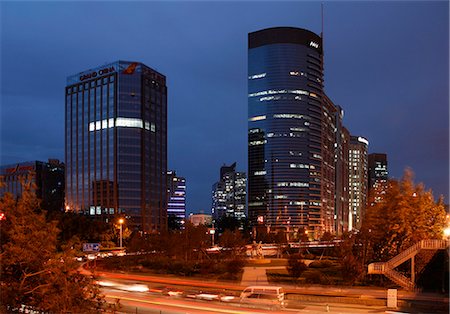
(285, 130)
(116, 144)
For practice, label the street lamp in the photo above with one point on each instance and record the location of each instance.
(121, 221)
(447, 232)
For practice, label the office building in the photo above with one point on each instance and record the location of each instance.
(176, 206)
(229, 194)
(48, 178)
(116, 144)
(358, 189)
(377, 176)
(341, 162)
(286, 132)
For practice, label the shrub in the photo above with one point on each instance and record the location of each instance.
(296, 266)
(321, 264)
(313, 276)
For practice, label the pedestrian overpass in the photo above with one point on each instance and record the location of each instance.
(388, 268)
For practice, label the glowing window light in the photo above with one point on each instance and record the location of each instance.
(257, 76)
(129, 123)
(257, 118)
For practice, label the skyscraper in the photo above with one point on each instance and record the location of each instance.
(116, 144)
(358, 190)
(378, 175)
(286, 135)
(229, 194)
(176, 206)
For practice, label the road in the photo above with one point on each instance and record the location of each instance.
(145, 303)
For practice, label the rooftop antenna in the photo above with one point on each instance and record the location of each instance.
(321, 33)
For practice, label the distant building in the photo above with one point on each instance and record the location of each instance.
(229, 194)
(200, 219)
(176, 206)
(358, 190)
(116, 144)
(377, 176)
(48, 177)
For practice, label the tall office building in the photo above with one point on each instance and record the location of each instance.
(176, 206)
(229, 194)
(377, 176)
(116, 144)
(358, 190)
(341, 161)
(48, 178)
(286, 136)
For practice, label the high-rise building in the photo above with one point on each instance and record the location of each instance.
(176, 206)
(342, 140)
(229, 194)
(357, 176)
(48, 178)
(377, 176)
(116, 144)
(287, 139)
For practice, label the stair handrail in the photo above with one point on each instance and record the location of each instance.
(395, 261)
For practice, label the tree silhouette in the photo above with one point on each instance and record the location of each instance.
(34, 271)
(407, 214)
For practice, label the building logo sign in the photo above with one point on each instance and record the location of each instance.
(100, 72)
(314, 44)
(130, 69)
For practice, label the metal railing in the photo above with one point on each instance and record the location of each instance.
(387, 268)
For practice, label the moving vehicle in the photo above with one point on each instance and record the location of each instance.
(263, 296)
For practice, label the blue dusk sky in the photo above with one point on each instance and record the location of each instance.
(386, 64)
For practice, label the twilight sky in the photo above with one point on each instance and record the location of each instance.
(386, 64)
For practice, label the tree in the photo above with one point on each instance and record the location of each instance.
(233, 241)
(296, 266)
(406, 214)
(34, 271)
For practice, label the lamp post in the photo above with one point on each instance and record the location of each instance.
(121, 223)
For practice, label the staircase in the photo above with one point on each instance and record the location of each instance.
(387, 268)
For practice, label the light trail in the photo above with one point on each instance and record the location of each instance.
(185, 305)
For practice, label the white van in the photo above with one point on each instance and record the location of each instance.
(263, 296)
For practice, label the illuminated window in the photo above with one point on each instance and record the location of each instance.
(288, 116)
(301, 166)
(257, 118)
(257, 76)
(253, 143)
(129, 123)
(260, 173)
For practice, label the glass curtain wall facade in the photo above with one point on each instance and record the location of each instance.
(176, 187)
(116, 144)
(341, 162)
(378, 176)
(229, 194)
(285, 155)
(358, 189)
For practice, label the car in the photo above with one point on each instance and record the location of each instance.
(271, 297)
(207, 296)
(169, 291)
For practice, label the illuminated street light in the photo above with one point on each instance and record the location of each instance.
(121, 221)
(447, 232)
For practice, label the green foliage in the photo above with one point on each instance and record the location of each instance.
(406, 215)
(33, 271)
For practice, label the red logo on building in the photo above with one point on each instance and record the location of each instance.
(131, 68)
